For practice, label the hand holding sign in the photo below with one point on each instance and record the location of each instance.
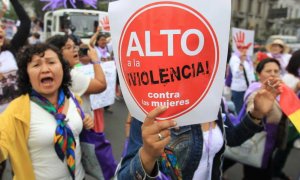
(159, 63)
(156, 135)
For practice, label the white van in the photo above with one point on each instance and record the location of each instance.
(291, 41)
(85, 22)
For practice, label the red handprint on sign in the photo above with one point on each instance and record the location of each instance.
(239, 40)
(105, 23)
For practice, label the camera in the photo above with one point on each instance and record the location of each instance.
(83, 51)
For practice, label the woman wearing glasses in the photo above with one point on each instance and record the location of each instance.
(81, 84)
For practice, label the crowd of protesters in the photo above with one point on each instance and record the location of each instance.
(282, 136)
(44, 78)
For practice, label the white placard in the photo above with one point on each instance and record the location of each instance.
(107, 97)
(171, 53)
(243, 37)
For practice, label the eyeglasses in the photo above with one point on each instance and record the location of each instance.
(70, 48)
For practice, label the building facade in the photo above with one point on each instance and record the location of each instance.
(253, 15)
(290, 23)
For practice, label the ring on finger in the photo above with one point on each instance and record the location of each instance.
(160, 136)
(269, 83)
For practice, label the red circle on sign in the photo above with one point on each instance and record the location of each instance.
(168, 54)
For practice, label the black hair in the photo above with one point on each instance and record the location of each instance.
(100, 35)
(25, 56)
(261, 65)
(294, 64)
(59, 41)
(36, 35)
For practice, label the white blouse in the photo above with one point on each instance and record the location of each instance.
(215, 142)
(238, 78)
(45, 161)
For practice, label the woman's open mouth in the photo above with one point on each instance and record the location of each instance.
(47, 81)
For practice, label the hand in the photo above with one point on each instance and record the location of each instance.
(243, 57)
(156, 135)
(88, 122)
(241, 67)
(105, 23)
(266, 96)
(92, 53)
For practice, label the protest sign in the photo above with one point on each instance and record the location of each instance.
(106, 97)
(243, 38)
(171, 53)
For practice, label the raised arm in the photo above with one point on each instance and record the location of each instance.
(22, 34)
(237, 135)
(251, 123)
(98, 83)
(94, 37)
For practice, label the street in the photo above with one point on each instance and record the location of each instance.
(115, 132)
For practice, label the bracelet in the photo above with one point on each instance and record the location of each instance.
(95, 62)
(254, 118)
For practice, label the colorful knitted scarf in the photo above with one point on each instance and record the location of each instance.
(64, 141)
(169, 164)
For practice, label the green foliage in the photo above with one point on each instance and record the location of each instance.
(103, 6)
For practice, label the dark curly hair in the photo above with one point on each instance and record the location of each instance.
(25, 56)
(261, 65)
